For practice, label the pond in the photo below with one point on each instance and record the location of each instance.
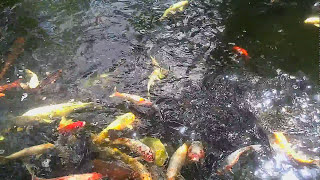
(210, 94)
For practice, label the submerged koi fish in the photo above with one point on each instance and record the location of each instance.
(173, 9)
(10, 85)
(233, 158)
(46, 113)
(33, 80)
(1, 94)
(88, 176)
(282, 142)
(132, 98)
(195, 151)
(34, 150)
(71, 127)
(242, 52)
(132, 162)
(51, 78)
(313, 20)
(157, 74)
(176, 162)
(121, 122)
(138, 147)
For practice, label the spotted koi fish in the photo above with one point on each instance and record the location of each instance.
(132, 98)
(195, 151)
(233, 158)
(138, 147)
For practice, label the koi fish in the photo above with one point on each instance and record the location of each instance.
(1, 94)
(88, 176)
(10, 85)
(160, 153)
(173, 9)
(33, 80)
(121, 122)
(51, 78)
(313, 20)
(34, 150)
(138, 147)
(195, 151)
(233, 158)
(157, 74)
(17, 49)
(71, 127)
(132, 162)
(46, 113)
(242, 52)
(176, 162)
(114, 170)
(282, 142)
(132, 98)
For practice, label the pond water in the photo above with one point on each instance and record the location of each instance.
(210, 94)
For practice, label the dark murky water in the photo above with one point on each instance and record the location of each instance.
(209, 95)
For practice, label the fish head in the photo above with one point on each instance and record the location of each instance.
(149, 156)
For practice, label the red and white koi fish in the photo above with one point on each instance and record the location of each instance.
(195, 151)
(138, 147)
(88, 176)
(71, 127)
(233, 158)
(132, 98)
(177, 161)
(242, 52)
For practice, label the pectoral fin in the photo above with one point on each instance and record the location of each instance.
(318, 25)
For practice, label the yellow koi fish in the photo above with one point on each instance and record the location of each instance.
(137, 147)
(157, 74)
(176, 162)
(121, 122)
(158, 148)
(132, 162)
(46, 113)
(313, 20)
(34, 150)
(132, 98)
(283, 144)
(173, 9)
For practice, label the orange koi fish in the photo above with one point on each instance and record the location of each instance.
(233, 158)
(10, 85)
(242, 52)
(71, 127)
(195, 151)
(132, 98)
(88, 176)
(282, 142)
(1, 94)
(138, 147)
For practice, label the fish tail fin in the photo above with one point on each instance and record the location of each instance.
(116, 93)
(3, 160)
